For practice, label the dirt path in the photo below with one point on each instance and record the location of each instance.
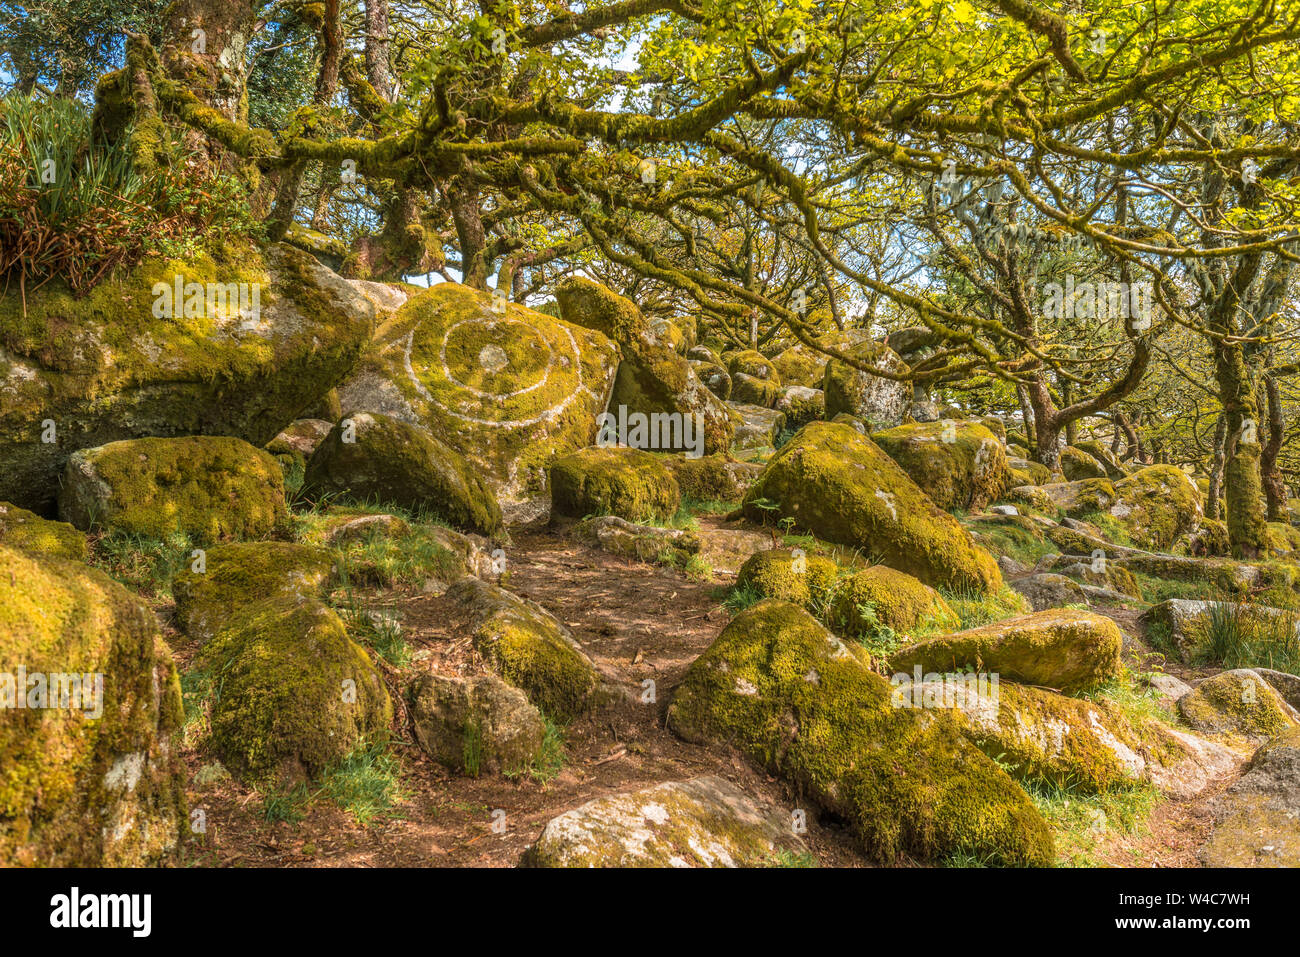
(638, 623)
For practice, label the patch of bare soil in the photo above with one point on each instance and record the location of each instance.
(639, 623)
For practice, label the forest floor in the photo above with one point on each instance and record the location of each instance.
(638, 623)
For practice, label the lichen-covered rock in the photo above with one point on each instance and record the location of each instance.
(646, 543)
(629, 483)
(93, 779)
(891, 598)
(838, 485)
(353, 528)
(756, 427)
(703, 822)
(1158, 505)
(715, 377)
(789, 574)
(751, 390)
(752, 363)
(374, 457)
(527, 646)
(1078, 465)
(22, 529)
(1063, 649)
(1040, 735)
(801, 405)
(712, 478)
(1050, 591)
(1257, 820)
(505, 386)
(475, 725)
(1220, 573)
(1038, 473)
(80, 373)
(226, 578)
(292, 692)
(1094, 572)
(652, 376)
(800, 365)
(960, 465)
(804, 705)
(876, 400)
(294, 446)
(1100, 453)
(212, 488)
(1237, 702)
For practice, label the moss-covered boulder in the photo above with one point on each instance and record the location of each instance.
(840, 486)
(703, 822)
(798, 702)
(1158, 505)
(644, 543)
(90, 774)
(756, 427)
(527, 646)
(1187, 625)
(26, 530)
(800, 365)
(1257, 820)
(1078, 465)
(1063, 649)
(712, 478)
(505, 386)
(123, 362)
(629, 483)
(801, 405)
(211, 488)
(879, 401)
(214, 587)
(1038, 473)
(880, 595)
(374, 457)
(750, 390)
(475, 725)
(750, 362)
(1115, 469)
(715, 377)
(1046, 590)
(789, 574)
(292, 692)
(960, 465)
(652, 376)
(294, 446)
(1237, 702)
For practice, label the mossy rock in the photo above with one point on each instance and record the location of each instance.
(629, 483)
(838, 485)
(1211, 540)
(782, 690)
(753, 363)
(294, 446)
(527, 646)
(789, 574)
(1038, 473)
(801, 405)
(293, 693)
(328, 408)
(995, 425)
(475, 725)
(243, 573)
(646, 543)
(1115, 470)
(1060, 648)
(374, 457)
(1046, 590)
(876, 400)
(1158, 505)
(25, 530)
(712, 478)
(895, 599)
(508, 388)
(1255, 819)
(1283, 538)
(211, 488)
(652, 376)
(97, 782)
(751, 390)
(1078, 465)
(756, 427)
(102, 368)
(960, 465)
(703, 822)
(1237, 702)
(800, 365)
(1222, 574)
(715, 377)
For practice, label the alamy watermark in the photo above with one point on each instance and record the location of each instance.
(40, 690)
(969, 691)
(190, 300)
(1099, 300)
(662, 431)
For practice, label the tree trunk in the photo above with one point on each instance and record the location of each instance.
(1269, 471)
(1215, 492)
(1247, 518)
(467, 216)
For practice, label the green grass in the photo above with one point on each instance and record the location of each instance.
(385, 561)
(144, 565)
(196, 695)
(1082, 822)
(740, 597)
(366, 784)
(1244, 636)
(377, 630)
(784, 858)
(286, 806)
(1111, 528)
(550, 759)
(975, 608)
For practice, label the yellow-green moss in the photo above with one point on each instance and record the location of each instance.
(1078, 465)
(878, 401)
(1058, 648)
(78, 790)
(835, 483)
(626, 482)
(781, 689)
(293, 693)
(211, 488)
(751, 390)
(894, 599)
(22, 529)
(966, 473)
(806, 580)
(1237, 702)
